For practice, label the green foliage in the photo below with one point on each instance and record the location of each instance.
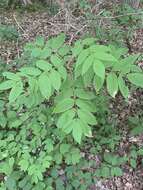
(47, 112)
(8, 32)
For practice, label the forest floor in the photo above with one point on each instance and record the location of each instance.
(30, 25)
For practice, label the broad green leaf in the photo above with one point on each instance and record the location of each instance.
(99, 69)
(64, 50)
(88, 78)
(112, 84)
(131, 59)
(11, 76)
(45, 86)
(104, 56)
(98, 83)
(43, 65)
(40, 41)
(105, 172)
(24, 164)
(88, 41)
(45, 53)
(10, 183)
(77, 49)
(64, 105)
(65, 119)
(16, 91)
(99, 48)
(77, 130)
(56, 61)
(133, 163)
(87, 64)
(82, 56)
(122, 87)
(136, 79)
(116, 171)
(86, 105)
(87, 117)
(36, 52)
(57, 42)
(84, 94)
(135, 68)
(137, 130)
(63, 72)
(55, 79)
(64, 148)
(6, 85)
(30, 71)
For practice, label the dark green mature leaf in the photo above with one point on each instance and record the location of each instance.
(64, 105)
(116, 171)
(137, 130)
(45, 85)
(112, 84)
(136, 79)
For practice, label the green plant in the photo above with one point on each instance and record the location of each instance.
(116, 25)
(49, 109)
(8, 32)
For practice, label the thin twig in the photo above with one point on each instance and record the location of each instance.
(20, 27)
(73, 36)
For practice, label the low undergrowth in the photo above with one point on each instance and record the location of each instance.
(55, 118)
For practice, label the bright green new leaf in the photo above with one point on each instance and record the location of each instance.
(16, 91)
(57, 42)
(7, 85)
(43, 65)
(104, 56)
(136, 79)
(11, 76)
(24, 164)
(65, 119)
(84, 94)
(98, 83)
(77, 130)
(87, 64)
(86, 105)
(99, 69)
(64, 105)
(45, 85)
(87, 117)
(112, 84)
(82, 56)
(30, 71)
(55, 79)
(56, 61)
